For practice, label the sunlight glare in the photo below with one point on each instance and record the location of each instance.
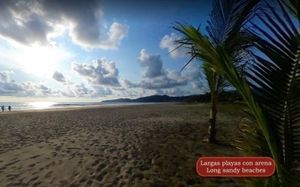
(41, 105)
(40, 61)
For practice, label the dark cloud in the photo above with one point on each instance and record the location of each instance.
(101, 73)
(59, 77)
(30, 22)
(4, 76)
(17, 22)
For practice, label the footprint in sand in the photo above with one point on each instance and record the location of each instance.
(33, 157)
(100, 167)
(11, 163)
(48, 174)
(31, 165)
(96, 162)
(33, 179)
(101, 176)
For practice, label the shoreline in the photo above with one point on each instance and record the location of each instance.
(69, 108)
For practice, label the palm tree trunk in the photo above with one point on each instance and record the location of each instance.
(212, 118)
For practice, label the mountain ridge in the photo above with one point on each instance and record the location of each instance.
(225, 96)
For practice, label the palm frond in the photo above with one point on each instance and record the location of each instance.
(275, 79)
(226, 20)
(219, 60)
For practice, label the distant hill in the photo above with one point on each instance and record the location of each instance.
(225, 96)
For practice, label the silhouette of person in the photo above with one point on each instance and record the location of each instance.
(9, 108)
(2, 107)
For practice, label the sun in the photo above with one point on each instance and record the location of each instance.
(40, 61)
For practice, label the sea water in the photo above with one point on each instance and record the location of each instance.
(42, 105)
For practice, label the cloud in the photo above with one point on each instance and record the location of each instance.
(4, 77)
(153, 64)
(59, 77)
(9, 87)
(196, 77)
(79, 90)
(173, 92)
(155, 77)
(169, 42)
(115, 35)
(158, 80)
(169, 79)
(101, 73)
(101, 91)
(31, 22)
(22, 25)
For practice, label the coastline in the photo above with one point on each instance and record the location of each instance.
(67, 108)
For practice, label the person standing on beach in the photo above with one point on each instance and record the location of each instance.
(9, 108)
(2, 107)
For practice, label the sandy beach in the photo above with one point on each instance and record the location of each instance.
(142, 145)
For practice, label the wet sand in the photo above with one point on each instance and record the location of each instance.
(143, 145)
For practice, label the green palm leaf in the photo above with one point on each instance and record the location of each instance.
(226, 21)
(275, 80)
(271, 88)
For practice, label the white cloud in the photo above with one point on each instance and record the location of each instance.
(9, 87)
(155, 77)
(157, 80)
(173, 92)
(152, 63)
(194, 74)
(80, 90)
(169, 79)
(101, 73)
(169, 42)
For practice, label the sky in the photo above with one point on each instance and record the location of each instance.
(66, 50)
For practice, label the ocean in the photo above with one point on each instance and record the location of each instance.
(21, 106)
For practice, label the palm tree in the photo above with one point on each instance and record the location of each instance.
(227, 17)
(271, 87)
(215, 84)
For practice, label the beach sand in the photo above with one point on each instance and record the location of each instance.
(142, 145)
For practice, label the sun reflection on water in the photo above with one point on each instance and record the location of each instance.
(41, 104)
